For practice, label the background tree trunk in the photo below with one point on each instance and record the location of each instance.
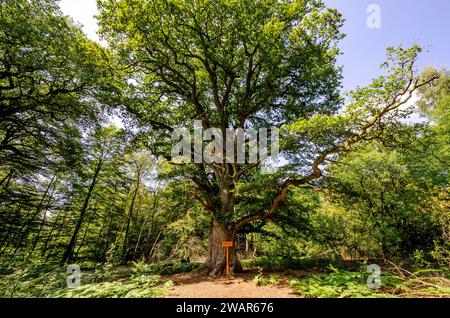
(68, 255)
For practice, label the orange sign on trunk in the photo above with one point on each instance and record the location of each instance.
(227, 244)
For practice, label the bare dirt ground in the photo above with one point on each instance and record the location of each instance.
(200, 285)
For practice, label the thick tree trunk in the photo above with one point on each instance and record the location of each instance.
(216, 261)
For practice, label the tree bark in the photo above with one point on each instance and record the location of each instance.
(216, 262)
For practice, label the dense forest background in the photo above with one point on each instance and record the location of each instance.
(77, 187)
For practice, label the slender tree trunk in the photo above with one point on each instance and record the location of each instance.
(118, 236)
(150, 254)
(84, 237)
(41, 226)
(142, 226)
(37, 237)
(150, 228)
(58, 229)
(25, 228)
(104, 247)
(52, 230)
(70, 247)
(98, 241)
(4, 243)
(127, 229)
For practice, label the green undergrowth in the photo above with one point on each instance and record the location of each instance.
(166, 268)
(263, 280)
(139, 280)
(339, 283)
(334, 278)
(280, 263)
(136, 286)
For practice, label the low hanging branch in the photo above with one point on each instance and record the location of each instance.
(346, 146)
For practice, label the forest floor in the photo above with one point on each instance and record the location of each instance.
(312, 282)
(190, 280)
(242, 285)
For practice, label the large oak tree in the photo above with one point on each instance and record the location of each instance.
(248, 64)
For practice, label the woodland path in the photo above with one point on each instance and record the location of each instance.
(200, 285)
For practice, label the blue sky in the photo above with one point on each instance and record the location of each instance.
(407, 22)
